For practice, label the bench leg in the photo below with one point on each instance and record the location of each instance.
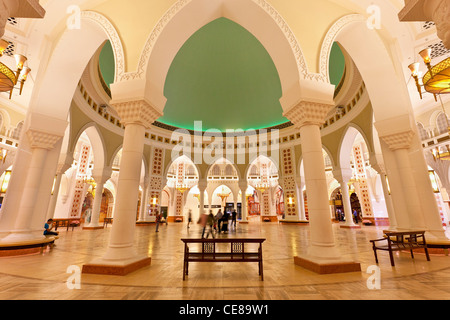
(426, 253)
(391, 256)
(412, 253)
(261, 273)
(375, 254)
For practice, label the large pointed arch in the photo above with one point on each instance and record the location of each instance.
(185, 17)
(97, 143)
(94, 31)
(346, 145)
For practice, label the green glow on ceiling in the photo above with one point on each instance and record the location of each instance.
(224, 77)
(336, 65)
(106, 63)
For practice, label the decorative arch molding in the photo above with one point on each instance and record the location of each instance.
(114, 38)
(292, 71)
(330, 38)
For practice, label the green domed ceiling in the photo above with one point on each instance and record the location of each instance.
(224, 77)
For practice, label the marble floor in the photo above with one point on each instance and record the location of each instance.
(45, 276)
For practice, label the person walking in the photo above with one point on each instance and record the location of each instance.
(233, 219)
(225, 222)
(210, 225)
(189, 218)
(203, 220)
(219, 216)
(157, 220)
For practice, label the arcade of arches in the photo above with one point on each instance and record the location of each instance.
(294, 114)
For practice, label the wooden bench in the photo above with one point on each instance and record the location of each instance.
(400, 241)
(66, 223)
(211, 252)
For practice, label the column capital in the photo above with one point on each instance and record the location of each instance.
(102, 175)
(202, 184)
(243, 185)
(136, 112)
(398, 140)
(343, 175)
(43, 140)
(308, 113)
(65, 162)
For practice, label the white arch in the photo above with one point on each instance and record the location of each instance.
(225, 161)
(95, 30)
(255, 158)
(182, 158)
(346, 144)
(97, 143)
(185, 17)
(366, 47)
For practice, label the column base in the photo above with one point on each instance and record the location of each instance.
(20, 247)
(300, 222)
(327, 266)
(116, 268)
(175, 219)
(92, 227)
(269, 219)
(355, 226)
(243, 222)
(145, 223)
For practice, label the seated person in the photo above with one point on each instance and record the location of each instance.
(48, 227)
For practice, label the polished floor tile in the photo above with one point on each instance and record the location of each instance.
(44, 276)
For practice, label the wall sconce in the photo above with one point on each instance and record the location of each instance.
(433, 180)
(54, 183)
(5, 182)
(290, 200)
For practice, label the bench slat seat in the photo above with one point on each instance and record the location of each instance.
(212, 252)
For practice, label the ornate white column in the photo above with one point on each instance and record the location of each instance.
(202, 185)
(343, 176)
(40, 143)
(243, 185)
(399, 143)
(121, 256)
(322, 251)
(100, 177)
(301, 200)
(387, 195)
(144, 200)
(62, 168)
